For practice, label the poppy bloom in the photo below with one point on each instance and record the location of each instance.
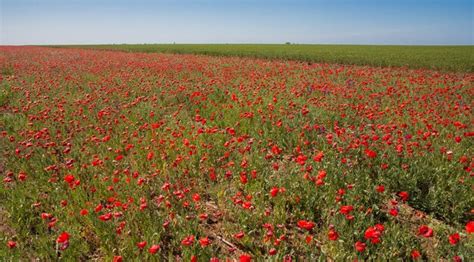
(304, 224)
(274, 191)
(188, 241)
(370, 154)
(346, 210)
(360, 246)
(11, 244)
(239, 235)
(319, 156)
(404, 195)
(69, 179)
(204, 242)
(150, 156)
(425, 231)
(287, 258)
(333, 235)
(276, 150)
(301, 159)
(373, 234)
(105, 217)
(322, 174)
(454, 239)
(22, 176)
(231, 131)
(141, 245)
(245, 258)
(415, 254)
(308, 239)
(393, 212)
(196, 197)
(380, 189)
(153, 249)
(117, 259)
(470, 227)
(243, 178)
(63, 237)
(45, 216)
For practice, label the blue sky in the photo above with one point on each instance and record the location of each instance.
(431, 22)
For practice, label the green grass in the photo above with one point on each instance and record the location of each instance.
(443, 58)
(229, 131)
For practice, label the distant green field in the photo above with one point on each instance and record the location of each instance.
(443, 58)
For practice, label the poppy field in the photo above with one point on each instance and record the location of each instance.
(116, 156)
(444, 58)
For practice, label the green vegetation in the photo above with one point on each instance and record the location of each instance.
(443, 58)
(116, 156)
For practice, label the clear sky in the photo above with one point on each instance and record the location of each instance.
(237, 21)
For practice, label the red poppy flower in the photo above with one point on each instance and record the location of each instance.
(454, 239)
(105, 217)
(370, 154)
(380, 189)
(150, 156)
(274, 191)
(301, 159)
(308, 239)
(239, 235)
(346, 209)
(304, 224)
(188, 241)
(11, 244)
(404, 195)
(425, 231)
(393, 212)
(319, 156)
(470, 227)
(196, 197)
(276, 150)
(63, 237)
(415, 254)
(45, 216)
(373, 234)
(360, 246)
(69, 179)
(333, 235)
(22, 176)
(245, 258)
(153, 249)
(141, 245)
(204, 242)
